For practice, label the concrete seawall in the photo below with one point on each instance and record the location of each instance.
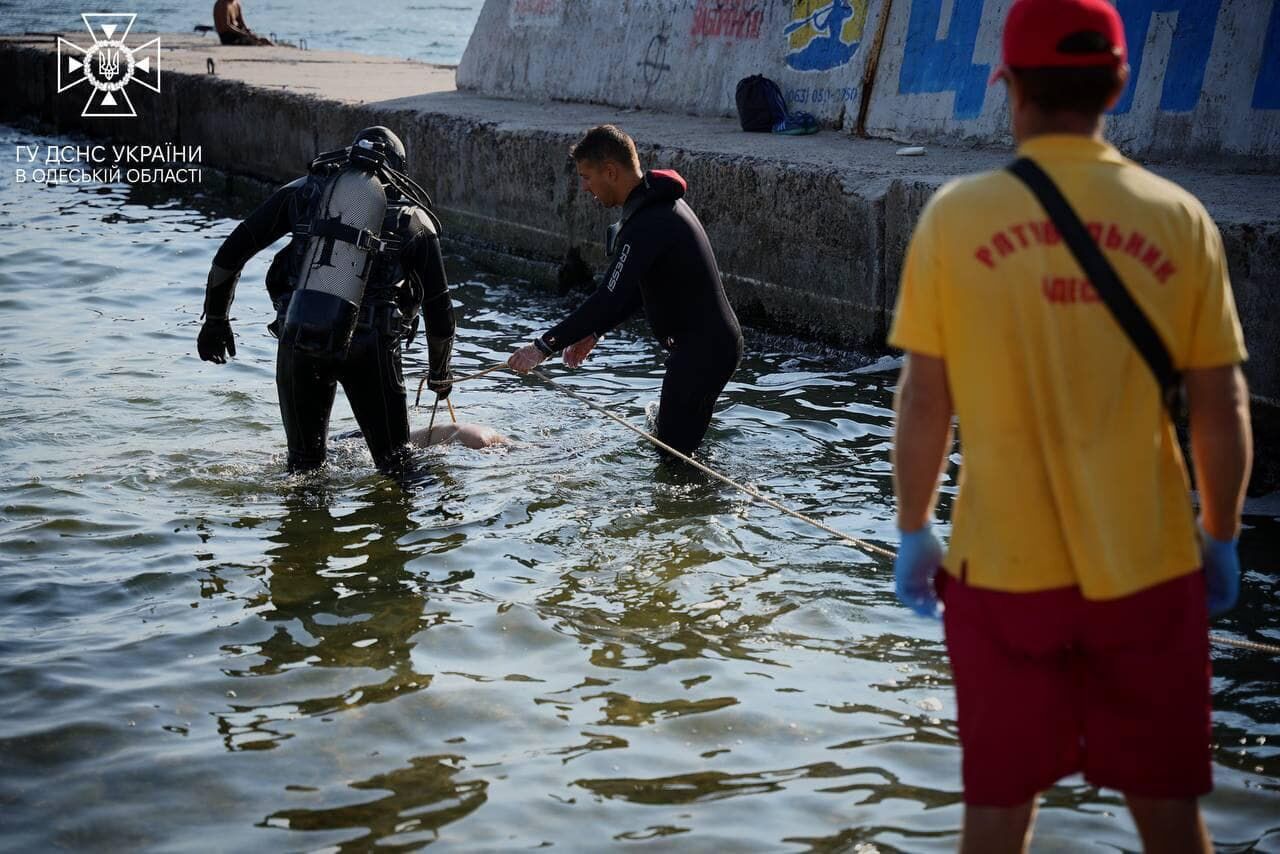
(809, 232)
(1205, 82)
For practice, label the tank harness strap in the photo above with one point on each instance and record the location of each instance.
(334, 229)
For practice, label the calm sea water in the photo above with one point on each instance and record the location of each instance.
(426, 30)
(562, 644)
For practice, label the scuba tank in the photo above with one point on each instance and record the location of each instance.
(342, 241)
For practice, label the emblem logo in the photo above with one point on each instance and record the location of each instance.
(108, 65)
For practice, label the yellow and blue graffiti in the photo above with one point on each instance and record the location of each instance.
(824, 34)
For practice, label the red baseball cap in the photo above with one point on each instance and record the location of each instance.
(1061, 33)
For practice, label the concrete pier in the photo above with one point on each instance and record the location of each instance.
(1205, 83)
(810, 232)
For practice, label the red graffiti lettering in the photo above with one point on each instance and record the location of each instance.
(735, 20)
(534, 7)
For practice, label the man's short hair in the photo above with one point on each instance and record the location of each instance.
(1085, 90)
(606, 143)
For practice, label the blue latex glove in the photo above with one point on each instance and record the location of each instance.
(1221, 573)
(919, 557)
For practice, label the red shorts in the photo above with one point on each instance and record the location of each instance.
(1049, 684)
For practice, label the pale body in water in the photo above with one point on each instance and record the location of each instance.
(474, 436)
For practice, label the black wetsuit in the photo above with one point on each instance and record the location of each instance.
(405, 279)
(663, 260)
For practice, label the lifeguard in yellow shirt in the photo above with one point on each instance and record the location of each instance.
(1075, 580)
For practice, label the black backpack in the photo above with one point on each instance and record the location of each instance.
(760, 104)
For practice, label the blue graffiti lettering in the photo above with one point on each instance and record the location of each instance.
(1188, 51)
(1266, 95)
(930, 65)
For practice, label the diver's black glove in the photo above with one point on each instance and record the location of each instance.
(412, 330)
(216, 342)
(439, 356)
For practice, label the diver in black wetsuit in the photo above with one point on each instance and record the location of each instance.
(661, 260)
(346, 295)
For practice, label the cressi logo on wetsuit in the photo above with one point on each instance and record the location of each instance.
(618, 267)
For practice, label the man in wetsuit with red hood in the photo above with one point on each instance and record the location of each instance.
(661, 259)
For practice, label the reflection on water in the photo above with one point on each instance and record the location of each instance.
(565, 643)
(423, 798)
(336, 595)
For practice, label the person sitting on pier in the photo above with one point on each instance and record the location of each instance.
(228, 20)
(662, 260)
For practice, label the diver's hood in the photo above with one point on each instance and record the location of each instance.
(664, 185)
(658, 185)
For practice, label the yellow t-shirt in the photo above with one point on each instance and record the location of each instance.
(1072, 475)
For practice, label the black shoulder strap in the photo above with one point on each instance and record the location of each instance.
(1103, 278)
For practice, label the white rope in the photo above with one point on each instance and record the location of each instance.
(435, 406)
(705, 469)
(1253, 646)
(417, 400)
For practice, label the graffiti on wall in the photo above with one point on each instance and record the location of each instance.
(736, 20)
(535, 13)
(655, 65)
(824, 34)
(818, 96)
(1188, 49)
(933, 65)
